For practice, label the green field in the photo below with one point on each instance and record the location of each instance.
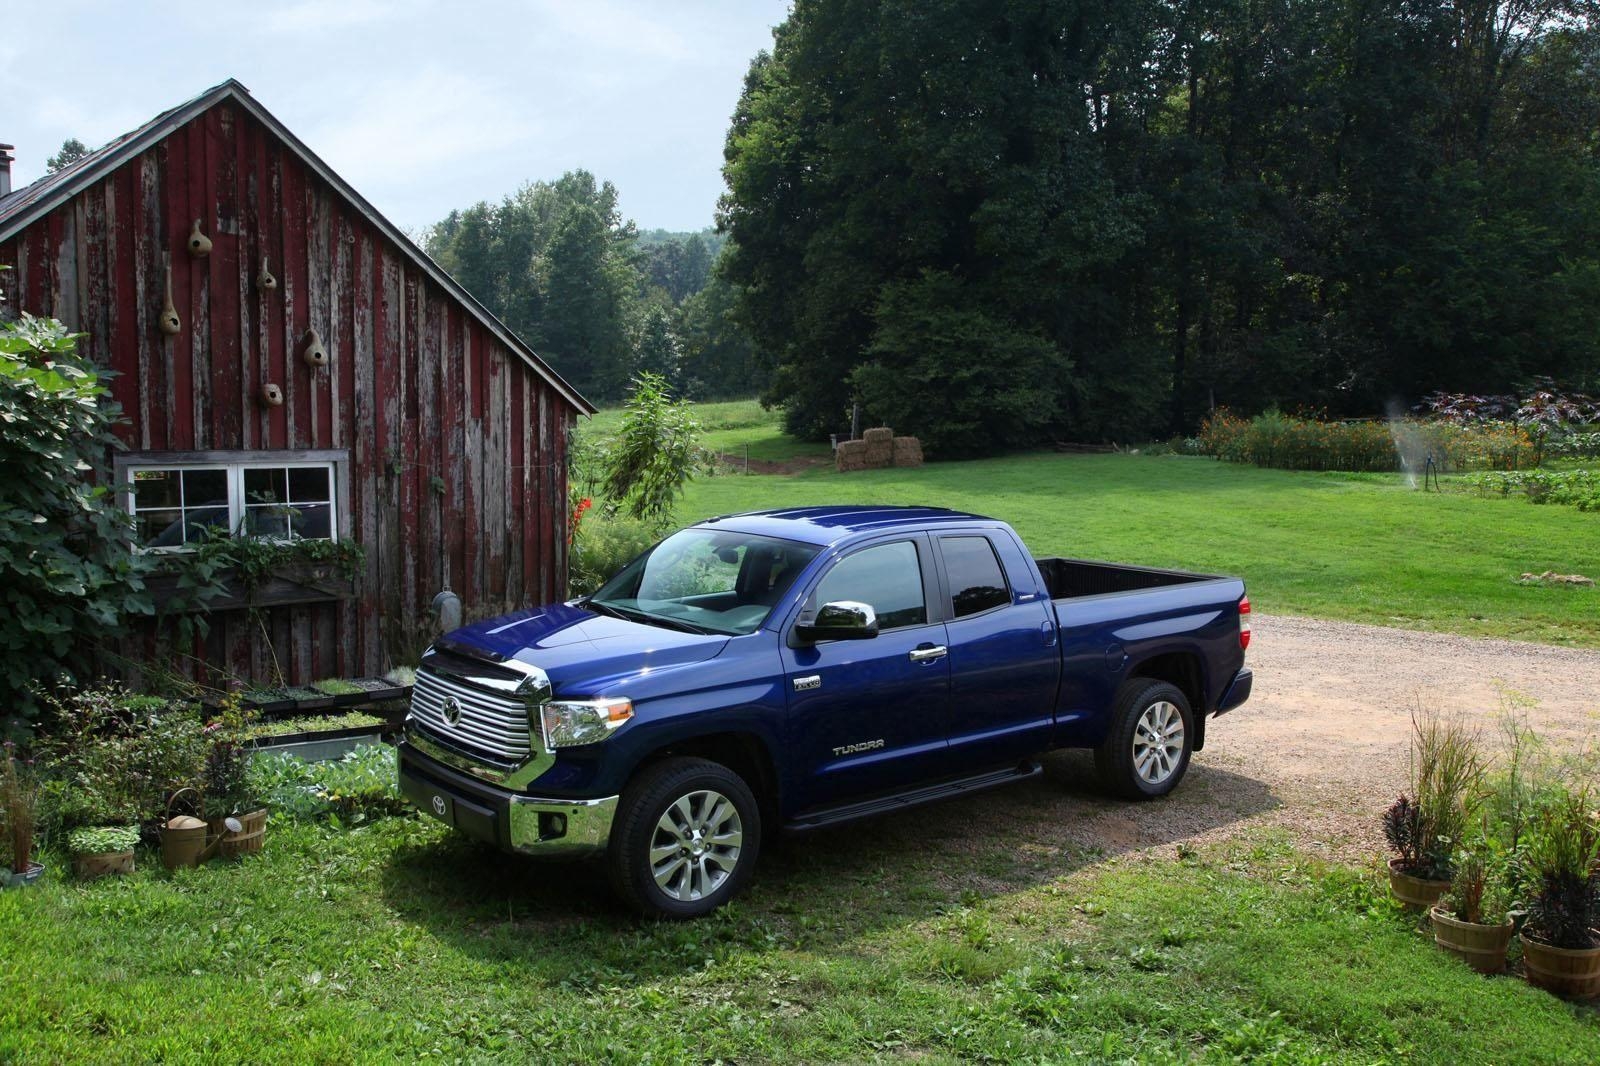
(962, 933)
(1361, 547)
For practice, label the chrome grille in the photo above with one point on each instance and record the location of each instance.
(491, 725)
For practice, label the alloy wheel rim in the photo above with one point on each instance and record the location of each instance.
(696, 845)
(1158, 742)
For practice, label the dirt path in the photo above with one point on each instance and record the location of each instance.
(1325, 729)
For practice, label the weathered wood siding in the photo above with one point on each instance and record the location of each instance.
(457, 447)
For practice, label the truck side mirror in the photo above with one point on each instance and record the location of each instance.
(840, 620)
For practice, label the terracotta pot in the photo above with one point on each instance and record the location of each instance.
(1483, 947)
(1415, 892)
(105, 864)
(250, 839)
(1573, 973)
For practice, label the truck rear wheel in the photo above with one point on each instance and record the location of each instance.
(1146, 750)
(685, 839)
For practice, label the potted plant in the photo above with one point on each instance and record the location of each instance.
(102, 850)
(1471, 920)
(1560, 945)
(19, 797)
(227, 795)
(1446, 772)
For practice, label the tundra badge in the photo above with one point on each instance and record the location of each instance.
(865, 745)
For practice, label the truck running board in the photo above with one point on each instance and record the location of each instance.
(961, 786)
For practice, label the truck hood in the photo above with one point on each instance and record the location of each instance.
(583, 653)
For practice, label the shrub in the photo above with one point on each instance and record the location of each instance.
(654, 454)
(19, 796)
(1562, 851)
(1572, 488)
(68, 574)
(102, 839)
(603, 546)
(111, 757)
(1281, 441)
(1446, 778)
(357, 788)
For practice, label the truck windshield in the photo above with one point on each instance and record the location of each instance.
(705, 580)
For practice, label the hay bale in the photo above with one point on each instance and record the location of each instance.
(880, 435)
(907, 451)
(850, 455)
(879, 453)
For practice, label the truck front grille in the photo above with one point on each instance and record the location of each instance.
(488, 725)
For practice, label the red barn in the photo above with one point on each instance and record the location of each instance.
(290, 363)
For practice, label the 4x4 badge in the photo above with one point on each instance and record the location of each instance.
(802, 684)
(451, 709)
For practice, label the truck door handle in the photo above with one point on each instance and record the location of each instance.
(928, 653)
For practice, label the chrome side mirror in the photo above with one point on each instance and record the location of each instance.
(840, 620)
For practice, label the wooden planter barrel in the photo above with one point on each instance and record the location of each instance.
(1417, 892)
(1483, 947)
(105, 864)
(250, 839)
(1572, 973)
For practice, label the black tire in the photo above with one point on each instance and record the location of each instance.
(1126, 760)
(697, 881)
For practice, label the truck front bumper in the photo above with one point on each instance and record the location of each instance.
(511, 821)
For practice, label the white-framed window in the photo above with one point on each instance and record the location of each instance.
(176, 499)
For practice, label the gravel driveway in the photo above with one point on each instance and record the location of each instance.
(1325, 731)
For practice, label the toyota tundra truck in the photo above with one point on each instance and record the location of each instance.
(794, 669)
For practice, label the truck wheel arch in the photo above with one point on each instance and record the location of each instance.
(1186, 670)
(746, 754)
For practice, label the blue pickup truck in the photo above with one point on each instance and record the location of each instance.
(799, 668)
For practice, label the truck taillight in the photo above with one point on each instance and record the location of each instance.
(1244, 622)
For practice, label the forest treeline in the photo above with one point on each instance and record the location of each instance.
(994, 222)
(598, 299)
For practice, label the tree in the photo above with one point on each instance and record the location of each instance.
(72, 150)
(585, 329)
(658, 351)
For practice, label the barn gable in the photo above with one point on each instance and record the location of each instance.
(442, 436)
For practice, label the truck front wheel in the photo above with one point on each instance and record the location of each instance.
(685, 839)
(1146, 750)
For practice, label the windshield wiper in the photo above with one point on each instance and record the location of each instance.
(629, 614)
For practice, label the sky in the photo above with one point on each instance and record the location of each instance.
(422, 105)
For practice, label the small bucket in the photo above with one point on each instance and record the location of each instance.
(183, 837)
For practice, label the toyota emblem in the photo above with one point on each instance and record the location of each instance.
(438, 806)
(451, 709)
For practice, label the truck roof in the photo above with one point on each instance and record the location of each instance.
(831, 524)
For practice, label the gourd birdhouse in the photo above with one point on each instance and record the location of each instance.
(271, 395)
(169, 321)
(199, 243)
(313, 352)
(264, 280)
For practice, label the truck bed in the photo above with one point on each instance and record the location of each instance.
(1068, 579)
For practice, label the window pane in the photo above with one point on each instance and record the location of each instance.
(205, 488)
(886, 577)
(155, 488)
(159, 529)
(309, 484)
(266, 520)
(310, 521)
(976, 582)
(265, 484)
(199, 519)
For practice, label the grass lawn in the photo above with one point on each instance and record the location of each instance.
(1360, 547)
(396, 941)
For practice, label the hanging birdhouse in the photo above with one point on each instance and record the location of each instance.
(313, 351)
(271, 395)
(264, 280)
(199, 243)
(169, 321)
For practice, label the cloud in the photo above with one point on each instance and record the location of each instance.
(323, 16)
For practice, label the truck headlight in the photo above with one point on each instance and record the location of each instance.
(569, 723)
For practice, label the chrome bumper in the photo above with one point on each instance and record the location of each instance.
(511, 821)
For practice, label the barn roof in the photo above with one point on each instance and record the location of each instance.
(27, 205)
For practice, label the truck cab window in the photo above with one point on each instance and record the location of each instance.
(976, 580)
(886, 577)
